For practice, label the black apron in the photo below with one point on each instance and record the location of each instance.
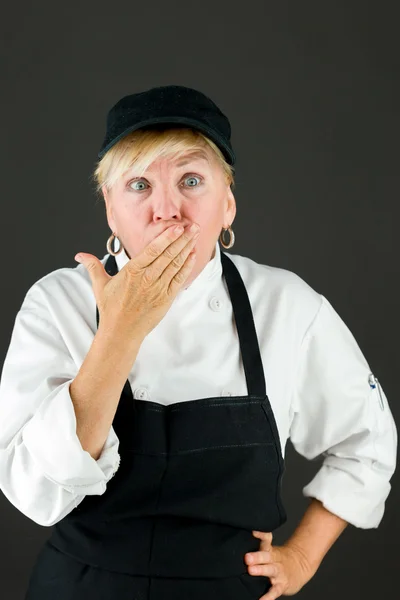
(195, 479)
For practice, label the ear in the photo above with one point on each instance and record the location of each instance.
(108, 205)
(230, 207)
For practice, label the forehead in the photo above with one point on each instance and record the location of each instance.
(191, 156)
(186, 158)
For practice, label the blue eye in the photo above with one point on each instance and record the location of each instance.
(193, 177)
(140, 181)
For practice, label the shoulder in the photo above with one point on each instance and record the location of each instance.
(278, 289)
(63, 287)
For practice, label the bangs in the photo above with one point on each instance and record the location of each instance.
(139, 149)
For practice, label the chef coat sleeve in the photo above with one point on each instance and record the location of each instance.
(337, 416)
(44, 471)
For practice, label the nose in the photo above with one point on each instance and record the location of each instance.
(166, 207)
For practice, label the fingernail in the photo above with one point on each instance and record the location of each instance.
(78, 257)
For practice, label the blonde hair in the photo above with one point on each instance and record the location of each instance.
(140, 148)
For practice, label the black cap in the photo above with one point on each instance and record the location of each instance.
(170, 104)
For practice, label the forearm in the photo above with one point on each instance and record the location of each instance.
(96, 390)
(315, 534)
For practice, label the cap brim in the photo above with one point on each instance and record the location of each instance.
(229, 154)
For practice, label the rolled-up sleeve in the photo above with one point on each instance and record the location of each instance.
(338, 414)
(44, 471)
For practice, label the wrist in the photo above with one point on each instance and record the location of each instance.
(307, 567)
(108, 333)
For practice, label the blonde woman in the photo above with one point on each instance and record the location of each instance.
(147, 397)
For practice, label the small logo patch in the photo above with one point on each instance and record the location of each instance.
(374, 384)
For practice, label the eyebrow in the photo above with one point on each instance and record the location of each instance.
(197, 155)
(191, 157)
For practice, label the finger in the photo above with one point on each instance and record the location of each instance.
(268, 570)
(176, 264)
(173, 257)
(181, 276)
(266, 536)
(274, 592)
(154, 253)
(95, 269)
(155, 248)
(258, 558)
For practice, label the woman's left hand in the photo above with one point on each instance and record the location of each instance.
(286, 567)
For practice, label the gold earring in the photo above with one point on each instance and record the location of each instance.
(109, 245)
(232, 238)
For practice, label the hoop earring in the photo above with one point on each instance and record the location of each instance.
(109, 245)
(232, 238)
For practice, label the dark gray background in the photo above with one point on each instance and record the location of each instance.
(312, 91)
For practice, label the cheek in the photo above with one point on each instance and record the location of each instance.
(130, 218)
(131, 227)
(208, 214)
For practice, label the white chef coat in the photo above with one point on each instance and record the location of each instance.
(316, 380)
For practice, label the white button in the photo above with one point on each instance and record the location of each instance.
(215, 303)
(141, 393)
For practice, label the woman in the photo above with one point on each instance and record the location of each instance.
(152, 437)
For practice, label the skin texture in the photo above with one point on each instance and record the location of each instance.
(168, 194)
(292, 565)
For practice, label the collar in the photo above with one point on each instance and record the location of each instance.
(212, 269)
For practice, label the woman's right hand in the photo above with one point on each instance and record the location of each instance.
(134, 301)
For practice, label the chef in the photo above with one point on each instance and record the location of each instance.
(146, 398)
